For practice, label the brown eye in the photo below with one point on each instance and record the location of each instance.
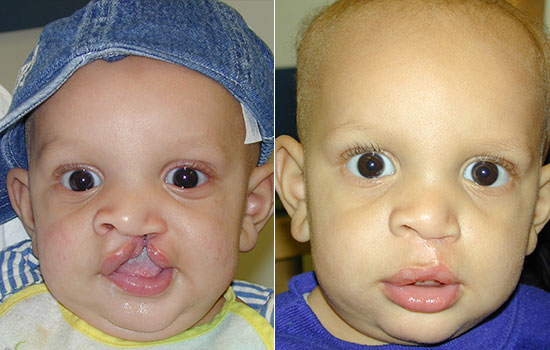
(185, 177)
(80, 180)
(486, 174)
(370, 165)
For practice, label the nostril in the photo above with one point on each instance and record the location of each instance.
(104, 228)
(141, 222)
(408, 229)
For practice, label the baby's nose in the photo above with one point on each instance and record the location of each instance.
(428, 214)
(133, 213)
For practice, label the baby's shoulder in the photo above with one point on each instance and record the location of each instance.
(296, 326)
(20, 269)
(258, 297)
(533, 300)
(532, 318)
(28, 315)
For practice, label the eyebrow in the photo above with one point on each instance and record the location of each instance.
(50, 143)
(353, 128)
(217, 154)
(509, 147)
(364, 128)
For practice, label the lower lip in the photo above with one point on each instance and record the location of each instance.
(143, 286)
(427, 299)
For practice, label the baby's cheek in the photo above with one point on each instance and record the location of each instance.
(495, 271)
(58, 250)
(222, 244)
(217, 239)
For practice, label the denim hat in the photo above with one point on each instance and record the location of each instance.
(204, 35)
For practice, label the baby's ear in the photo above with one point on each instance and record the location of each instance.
(542, 208)
(259, 205)
(17, 182)
(290, 184)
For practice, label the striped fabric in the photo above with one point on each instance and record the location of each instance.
(257, 297)
(20, 269)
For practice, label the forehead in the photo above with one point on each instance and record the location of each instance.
(459, 28)
(449, 72)
(137, 98)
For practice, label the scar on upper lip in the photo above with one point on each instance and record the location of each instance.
(434, 252)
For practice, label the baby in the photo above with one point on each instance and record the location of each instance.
(418, 179)
(147, 126)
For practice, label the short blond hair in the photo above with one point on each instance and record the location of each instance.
(316, 35)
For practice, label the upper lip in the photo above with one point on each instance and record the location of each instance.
(130, 250)
(410, 275)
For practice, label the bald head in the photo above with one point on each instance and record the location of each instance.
(399, 30)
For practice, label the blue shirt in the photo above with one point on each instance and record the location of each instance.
(522, 323)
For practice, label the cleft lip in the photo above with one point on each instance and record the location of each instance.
(157, 256)
(114, 260)
(132, 249)
(139, 268)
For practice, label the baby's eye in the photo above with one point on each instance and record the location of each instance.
(370, 165)
(486, 174)
(185, 177)
(80, 180)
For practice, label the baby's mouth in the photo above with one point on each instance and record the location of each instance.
(138, 269)
(426, 290)
(141, 266)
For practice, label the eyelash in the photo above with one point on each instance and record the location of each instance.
(195, 165)
(62, 170)
(360, 149)
(205, 169)
(498, 159)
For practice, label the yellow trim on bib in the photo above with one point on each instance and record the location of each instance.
(97, 335)
(22, 295)
(260, 324)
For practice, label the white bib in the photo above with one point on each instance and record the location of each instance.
(32, 319)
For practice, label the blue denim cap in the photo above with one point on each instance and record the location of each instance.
(204, 35)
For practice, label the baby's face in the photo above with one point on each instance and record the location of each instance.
(138, 182)
(422, 170)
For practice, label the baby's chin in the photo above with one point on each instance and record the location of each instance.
(135, 328)
(149, 321)
(428, 337)
(136, 320)
(409, 334)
